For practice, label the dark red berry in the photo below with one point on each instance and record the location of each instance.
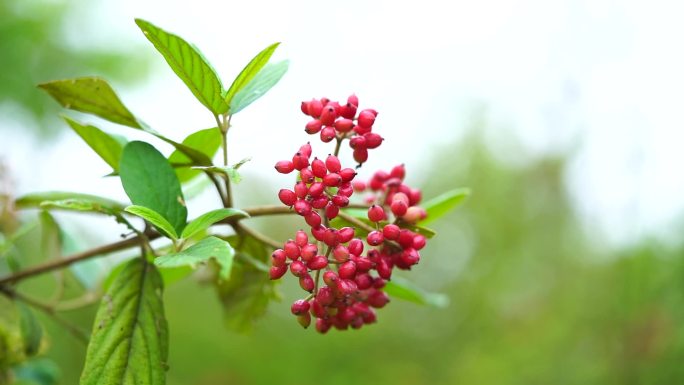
(347, 270)
(278, 258)
(277, 271)
(302, 207)
(308, 252)
(304, 320)
(332, 210)
(306, 282)
(360, 155)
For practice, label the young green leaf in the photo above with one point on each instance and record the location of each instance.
(149, 181)
(250, 71)
(246, 295)
(50, 236)
(189, 64)
(31, 331)
(424, 231)
(401, 288)
(201, 252)
(129, 343)
(91, 95)
(36, 199)
(155, 219)
(207, 219)
(258, 86)
(106, 146)
(79, 205)
(442, 204)
(205, 141)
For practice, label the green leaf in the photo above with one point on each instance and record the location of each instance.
(149, 181)
(79, 205)
(260, 84)
(50, 236)
(201, 252)
(401, 288)
(129, 343)
(424, 231)
(31, 331)
(206, 142)
(207, 219)
(250, 71)
(189, 64)
(106, 146)
(442, 204)
(154, 218)
(38, 371)
(91, 95)
(34, 200)
(246, 295)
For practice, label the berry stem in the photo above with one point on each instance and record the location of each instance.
(224, 126)
(337, 145)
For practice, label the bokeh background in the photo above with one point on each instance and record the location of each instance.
(566, 265)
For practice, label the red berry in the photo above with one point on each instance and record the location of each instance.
(308, 252)
(384, 269)
(398, 172)
(360, 155)
(373, 140)
(278, 258)
(284, 166)
(305, 108)
(398, 208)
(344, 125)
(291, 249)
(332, 180)
(341, 253)
(318, 310)
(325, 296)
(305, 150)
(331, 211)
(366, 119)
(376, 213)
(302, 207)
(298, 268)
(348, 111)
(363, 264)
(400, 197)
(330, 278)
(363, 281)
(375, 238)
(328, 134)
(347, 174)
(316, 189)
(301, 239)
(315, 108)
(345, 189)
(378, 299)
(301, 190)
(322, 326)
(318, 262)
(300, 307)
(300, 161)
(333, 163)
(313, 127)
(359, 186)
(329, 115)
(340, 201)
(405, 238)
(357, 142)
(356, 246)
(345, 234)
(347, 270)
(318, 168)
(306, 282)
(353, 100)
(318, 232)
(288, 197)
(319, 202)
(306, 175)
(330, 237)
(277, 271)
(391, 232)
(312, 219)
(419, 242)
(414, 197)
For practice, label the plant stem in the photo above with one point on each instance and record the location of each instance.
(224, 124)
(337, 146)
(258, 236)
(132, 242)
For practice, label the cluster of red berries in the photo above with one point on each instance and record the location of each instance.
(333, 120)
(352, 282)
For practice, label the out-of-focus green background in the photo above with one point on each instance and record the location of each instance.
(536, 296)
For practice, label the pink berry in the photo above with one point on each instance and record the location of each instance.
(359, 186)
(398, 208)
(278, 258)
(318, 232)
(277, 271)
(298, 268)
(315, 108)
(375, 238)
(344, 125)
(318, 168)
(391, 232)
(414, 214)
(305, 150)
(366, 119)
(313, 127)
(419, 242)
(306, 282)
(376, 213)
(414, 197)
(348, 111)
(288, 197)
(284, 166)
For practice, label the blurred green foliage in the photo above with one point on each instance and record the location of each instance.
(34, 50)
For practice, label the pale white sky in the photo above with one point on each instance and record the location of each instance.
(604, 77)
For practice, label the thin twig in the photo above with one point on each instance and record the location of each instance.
(259, 236)
(48, 310)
